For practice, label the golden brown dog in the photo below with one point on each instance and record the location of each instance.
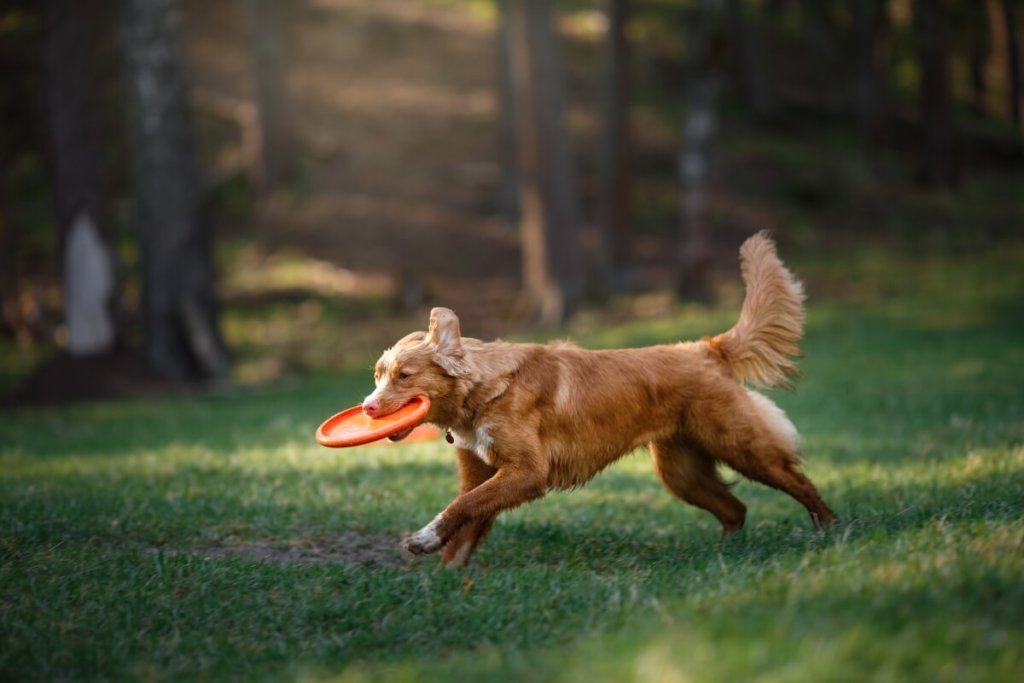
(527, 418)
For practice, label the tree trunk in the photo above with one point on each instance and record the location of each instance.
(547, 193)
(870, 24)
(693, 254)
(979, 47)
(751, 59)
(86, 263)
(179, 306)
(8, 249)
(266, 24)
(1015, 57)
(508, 189)
(616, 161)
(937, 163)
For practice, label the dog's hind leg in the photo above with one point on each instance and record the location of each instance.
(781, 470)
(760, 443)
(472, 473)
(691, 475)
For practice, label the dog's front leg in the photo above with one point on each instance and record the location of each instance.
(509, 487)
(472, 472)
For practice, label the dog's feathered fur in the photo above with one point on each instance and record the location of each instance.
(532, 417)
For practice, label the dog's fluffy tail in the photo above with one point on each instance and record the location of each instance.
(761, 347)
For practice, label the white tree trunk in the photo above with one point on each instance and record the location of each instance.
(87, 266)
(88, 289)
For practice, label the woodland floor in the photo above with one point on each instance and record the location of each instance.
(393, 110)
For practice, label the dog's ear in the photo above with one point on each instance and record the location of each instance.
(446, 339)
(444, 329)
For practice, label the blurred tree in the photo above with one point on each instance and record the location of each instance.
(8, 275)
(937, 161)
(1015, 56)
(870, 28)
(979, 48)
(266, 23)
(616, 152)
(508, 190)
(548, 208)
(86, 263)
(751, 57)
(705, 54)
(179, 306)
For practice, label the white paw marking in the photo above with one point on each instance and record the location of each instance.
(426, 540)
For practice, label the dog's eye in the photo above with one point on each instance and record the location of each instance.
(403, 375)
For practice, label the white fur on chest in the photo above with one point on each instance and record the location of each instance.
(478, 441)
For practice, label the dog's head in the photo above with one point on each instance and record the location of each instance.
(431, 363)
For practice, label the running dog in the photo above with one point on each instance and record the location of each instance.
(528, 418)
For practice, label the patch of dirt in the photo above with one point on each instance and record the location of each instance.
(352, 548)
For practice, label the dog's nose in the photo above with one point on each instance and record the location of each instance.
(371, 407)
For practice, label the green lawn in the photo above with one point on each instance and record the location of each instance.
(198, 537)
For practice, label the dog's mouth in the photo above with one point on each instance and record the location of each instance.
(402, 434)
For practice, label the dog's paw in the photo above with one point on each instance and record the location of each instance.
(425, 541)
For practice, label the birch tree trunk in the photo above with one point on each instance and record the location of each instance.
(182, 339)
(87, 266)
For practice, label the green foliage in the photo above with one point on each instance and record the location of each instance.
(127, 529)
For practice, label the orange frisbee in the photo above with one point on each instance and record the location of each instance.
(353, 427)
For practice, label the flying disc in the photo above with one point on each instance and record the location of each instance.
(353, 427)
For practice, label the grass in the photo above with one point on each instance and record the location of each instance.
(128, 529)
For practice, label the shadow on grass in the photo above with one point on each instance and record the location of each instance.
(192, 505)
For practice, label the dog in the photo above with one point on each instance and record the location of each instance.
(529, 418)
